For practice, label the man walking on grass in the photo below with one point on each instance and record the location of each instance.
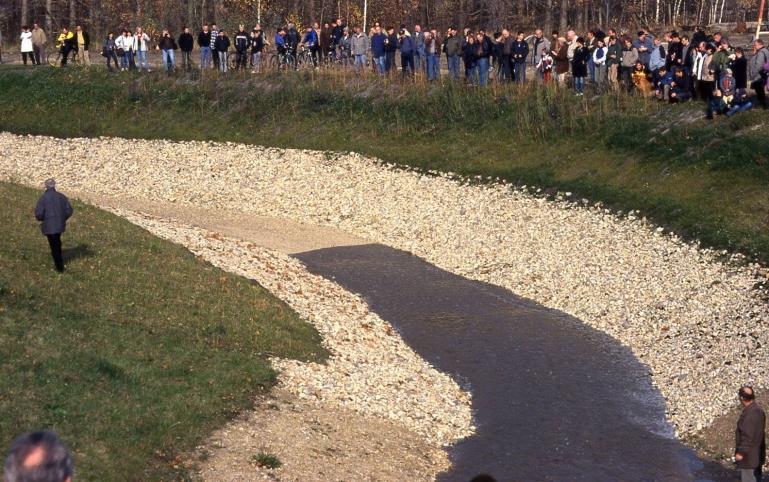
(53, 210)
(750, 440)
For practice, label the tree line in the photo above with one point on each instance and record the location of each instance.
(99, 16)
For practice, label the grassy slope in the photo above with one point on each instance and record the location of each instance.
(706, 181)
(131, 365)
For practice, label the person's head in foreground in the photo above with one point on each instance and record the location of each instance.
(38, 457)
(747, 395)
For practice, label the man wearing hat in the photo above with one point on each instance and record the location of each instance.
(53, 210)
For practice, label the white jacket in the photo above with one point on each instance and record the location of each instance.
(26, 42)
(602, 60)
(143, 40)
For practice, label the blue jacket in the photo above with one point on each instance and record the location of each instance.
(407, 45)
(280, 41)
(311, 38)
(378, 44)
(53, 210)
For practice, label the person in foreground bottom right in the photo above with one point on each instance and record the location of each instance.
(750, 441)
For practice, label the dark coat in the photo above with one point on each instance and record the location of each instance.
(167, 43)
(186, 42)
(562, 59)
(520, 50)
(740, 71)
(53, 210)
(750, 439)
(204, 39)
(579, 62)
(222, 43)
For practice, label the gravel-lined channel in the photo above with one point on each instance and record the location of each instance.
(696, 322)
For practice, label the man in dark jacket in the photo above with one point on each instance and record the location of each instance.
(242, 43)
(204, 42)
(750, 440)
(391, 46)
(453, 48)
(186, 43)
(520, 51)
(53, 210)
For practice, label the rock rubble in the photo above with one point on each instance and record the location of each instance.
(693, 318)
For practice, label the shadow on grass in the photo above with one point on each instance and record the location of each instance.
(79, 251)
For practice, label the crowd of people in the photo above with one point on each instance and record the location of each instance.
(671, 67)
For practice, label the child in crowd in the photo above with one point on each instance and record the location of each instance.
(545, 66)
(641, 79)
(663, 83)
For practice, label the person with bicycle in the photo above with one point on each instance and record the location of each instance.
(280, 42)
(310, 42)
(292, 38)
(241, 47)
(66, 43)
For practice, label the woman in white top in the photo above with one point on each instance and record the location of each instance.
(26, 45)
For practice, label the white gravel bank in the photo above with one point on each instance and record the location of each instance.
(695, 321)
(371, 369)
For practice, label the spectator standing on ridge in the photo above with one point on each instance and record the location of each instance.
(204, 43)
(39, 40)
(257, 46)
(83, 46)
(538, 43)
(222, 47)
(53, 210)
(756, 73)
(27, 52)
(108, 51)
(214, 52)
(141, 45)
(186, 44)
(520, 51)
(644, 45)
(38, 457)
(391, 46)
(292, 38)
(740, 69)
(359, 46)
(599, 63)
(750, 438)
(378, 49)
(406, 46)
(241, 47)
(420, 62)
(453, 49)
(65, 43)
(167, 45)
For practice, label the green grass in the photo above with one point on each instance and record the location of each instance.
(705, 180)
(267, 461)
(138, 351)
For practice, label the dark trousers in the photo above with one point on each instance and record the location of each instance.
(407, 64)
(38, 51)
(758, 86)
(390, 61)
(505, 70)
(705, 89)
(28, 55)
(186, 59)
(54, 240)
(111, 57)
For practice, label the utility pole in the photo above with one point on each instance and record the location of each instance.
(365, 12)
(259, 12)
(760, 18)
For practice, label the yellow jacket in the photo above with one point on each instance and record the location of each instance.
(64, 38)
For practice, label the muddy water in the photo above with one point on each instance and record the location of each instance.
(553, 398)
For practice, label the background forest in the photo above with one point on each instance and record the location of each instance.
(100, 15)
